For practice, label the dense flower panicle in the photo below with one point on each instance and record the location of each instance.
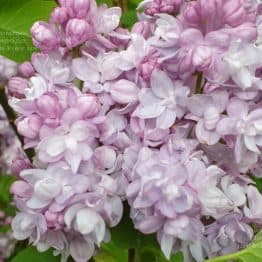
(166, 116)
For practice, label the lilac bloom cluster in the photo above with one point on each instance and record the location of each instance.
(166, 116)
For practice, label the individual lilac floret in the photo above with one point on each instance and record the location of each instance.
(227, 235)
(45, 36)
(77, 32)
(73, 144)
(207, 110)
(241, 62)
(244, 125)
(166, 100)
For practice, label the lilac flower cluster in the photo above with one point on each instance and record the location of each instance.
(167, 116)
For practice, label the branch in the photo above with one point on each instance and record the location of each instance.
(11, 117)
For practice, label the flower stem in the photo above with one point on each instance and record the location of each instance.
(11, 116)
(199, 83)
(131, 255)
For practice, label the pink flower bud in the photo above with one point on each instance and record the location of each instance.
(234, 12)
(124, 91)
(77, 32)
(44, 36)
(16, 86)
(78, 8)
(20, 164)
(21, 189)
(191, 13)
(88, 105)
(48, 105)
(142, 28)
(59, 15)
(163, 6)
(29, 126)
(26, 69)
(151, 10)
(148, 65)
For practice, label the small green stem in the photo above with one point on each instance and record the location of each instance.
(11, 117)
(199, 83)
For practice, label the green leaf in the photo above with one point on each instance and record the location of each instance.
(253, 253)
(16, 19)
(30, 254)
(5, 183)
(111, 253)
(125, 237)
(129, 18)
(258, 183)
(108, 2)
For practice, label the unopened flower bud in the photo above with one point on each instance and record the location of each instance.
(48, 105)
(16, 86)
(59, 15)
(124, 92)
(191, 13)
(44, 36)
(78, 8)
(26, 69)
(20, 164)
(21, 189)
(234, 12)
(77, 32)
(88, 105)
(142, 28)
(29, 126)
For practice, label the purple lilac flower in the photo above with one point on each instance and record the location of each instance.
(166, 116)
